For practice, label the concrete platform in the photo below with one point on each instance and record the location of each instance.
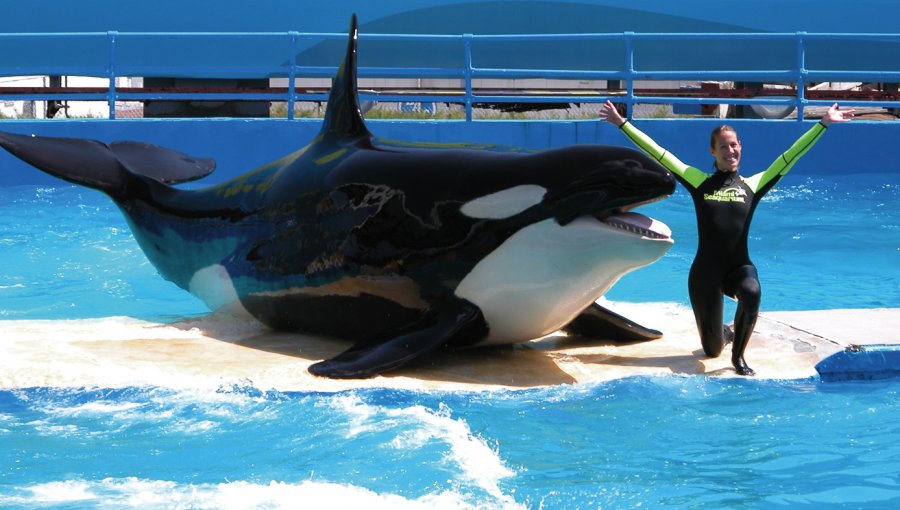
(213, 351)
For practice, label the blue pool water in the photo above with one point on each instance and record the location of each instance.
(666, 442)
(663, 442)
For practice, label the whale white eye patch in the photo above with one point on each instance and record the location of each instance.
(505, 203)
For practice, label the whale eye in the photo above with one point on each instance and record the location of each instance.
(504, 204)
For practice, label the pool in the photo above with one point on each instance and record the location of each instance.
(661, 442)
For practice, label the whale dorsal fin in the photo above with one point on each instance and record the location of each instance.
(343, 119)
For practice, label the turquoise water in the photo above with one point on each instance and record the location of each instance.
(665, 442)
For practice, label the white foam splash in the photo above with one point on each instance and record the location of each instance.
(209, 410)
(61, 492)
(477, 462)
(140, 493)
(103, 407)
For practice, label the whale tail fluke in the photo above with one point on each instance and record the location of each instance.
(343, 118)
(104, 167)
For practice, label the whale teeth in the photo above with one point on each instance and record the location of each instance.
(633, 229)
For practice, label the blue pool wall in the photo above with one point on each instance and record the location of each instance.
(241, 145)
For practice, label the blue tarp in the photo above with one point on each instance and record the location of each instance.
(866, 362)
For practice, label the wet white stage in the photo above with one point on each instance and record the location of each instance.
(213, 351)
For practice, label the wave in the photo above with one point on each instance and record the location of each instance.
(121, 442)
(475, 461)
(149, 494)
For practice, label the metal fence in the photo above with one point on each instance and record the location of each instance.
(105, 61)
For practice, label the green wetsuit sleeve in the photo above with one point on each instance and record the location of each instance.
(689, 174)
(780, 166)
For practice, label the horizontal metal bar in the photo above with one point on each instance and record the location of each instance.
(88, 71)
(455, 98)
(648, 36)
(452, 37)
(224, 71)
(548, 37)
(55, 35)
(715, 100)
(312, 96)
(849, 35)
(845, 103)
(213, 35)
(543, 99)
(634, 100)
(727, 75)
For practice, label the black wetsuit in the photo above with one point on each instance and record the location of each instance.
(724, 203)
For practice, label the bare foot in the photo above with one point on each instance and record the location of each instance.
(741, 367)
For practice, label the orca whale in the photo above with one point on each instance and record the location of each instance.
(400, 248)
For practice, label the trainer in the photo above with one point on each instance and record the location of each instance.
(724, 202)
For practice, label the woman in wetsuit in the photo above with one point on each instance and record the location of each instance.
(724, 202)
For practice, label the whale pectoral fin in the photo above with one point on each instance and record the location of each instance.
(599, 323)
(86, 162)
(161, 164)
(448, 323)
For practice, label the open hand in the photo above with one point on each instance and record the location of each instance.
(835, 114)
(609, 113)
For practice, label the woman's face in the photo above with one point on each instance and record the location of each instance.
(727, 151)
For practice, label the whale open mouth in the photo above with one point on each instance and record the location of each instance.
(635, 223)
(624, 219)
(638, 224)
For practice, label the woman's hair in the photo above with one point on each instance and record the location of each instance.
(717, 131)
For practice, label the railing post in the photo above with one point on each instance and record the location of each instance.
(292, 75)
(629, 74)
(801, 75)
(467, 44)
(111, 74)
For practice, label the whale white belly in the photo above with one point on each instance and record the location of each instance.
(545, 275)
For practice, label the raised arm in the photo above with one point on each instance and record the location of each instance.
(689, 175)
(786, 160)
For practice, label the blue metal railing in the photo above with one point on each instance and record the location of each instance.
(112, 66)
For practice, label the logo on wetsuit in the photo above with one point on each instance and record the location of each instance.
(733, 194)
